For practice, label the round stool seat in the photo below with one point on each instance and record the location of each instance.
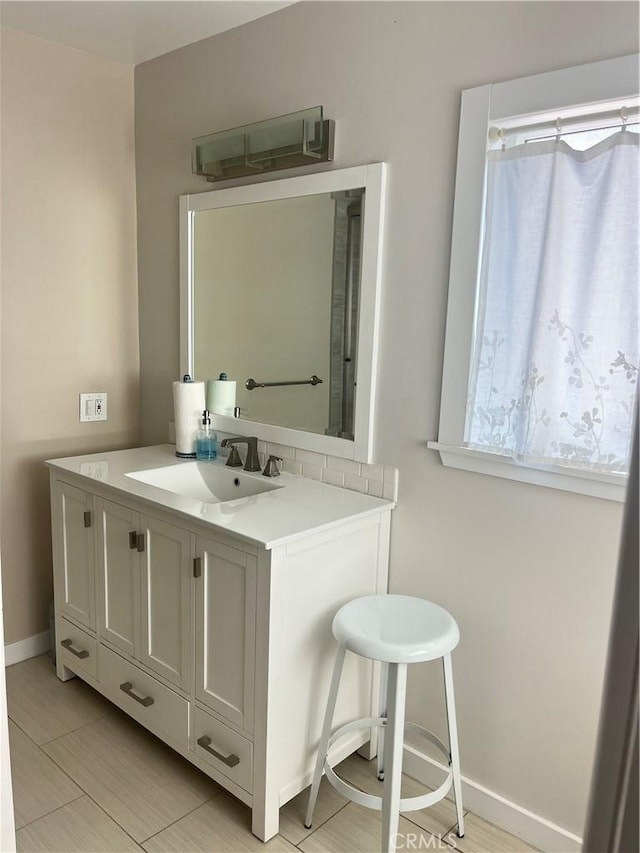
(396, 628)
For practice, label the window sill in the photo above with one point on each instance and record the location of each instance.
(608, 486)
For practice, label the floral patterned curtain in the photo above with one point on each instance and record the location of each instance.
(557, 344)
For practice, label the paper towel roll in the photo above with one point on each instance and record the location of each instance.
(221, 396)
(188, 405)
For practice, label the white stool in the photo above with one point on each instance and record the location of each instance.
(396, 630)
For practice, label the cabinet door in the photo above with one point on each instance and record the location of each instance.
(166, 563)
(75, 565)
(118, 576)
(225, 631)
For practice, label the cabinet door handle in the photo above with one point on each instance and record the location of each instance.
(133, 540)
(229, 760)
(197, 567)
(140, 542)
(68, 644)
(87, 518)
(127, 688)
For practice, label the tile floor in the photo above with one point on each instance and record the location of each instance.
(86, 778)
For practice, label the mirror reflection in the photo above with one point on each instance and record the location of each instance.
(276, 293)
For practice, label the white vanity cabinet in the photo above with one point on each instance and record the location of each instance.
(218, 643)
(144, 590)
(225, 594)
(118, 576)
(225, 630)
(75, 569)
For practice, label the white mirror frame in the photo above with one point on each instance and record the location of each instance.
(372, 178)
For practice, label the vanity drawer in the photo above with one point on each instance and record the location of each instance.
(224, 749)
(142, 697)
(76, 648)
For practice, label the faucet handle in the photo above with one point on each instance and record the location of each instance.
(271, 468)
(234, 460)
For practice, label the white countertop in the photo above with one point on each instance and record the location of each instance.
(299, 506)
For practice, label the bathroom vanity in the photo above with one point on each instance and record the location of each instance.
(199, 599)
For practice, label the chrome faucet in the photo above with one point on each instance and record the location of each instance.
(252, 463)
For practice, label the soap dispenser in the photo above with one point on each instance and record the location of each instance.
(206, 439)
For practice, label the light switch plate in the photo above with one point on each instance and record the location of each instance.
(93, 406)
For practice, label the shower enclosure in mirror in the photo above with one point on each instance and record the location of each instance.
(280, 285)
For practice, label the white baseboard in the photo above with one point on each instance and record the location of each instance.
(25, 649)
(530, 827)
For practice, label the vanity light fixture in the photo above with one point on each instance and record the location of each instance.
(302, 138)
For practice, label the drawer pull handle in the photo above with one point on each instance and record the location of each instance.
(87, 518)
(229, 760)
(127, 688)
(140, 542)
(133, 540)
(68, 644)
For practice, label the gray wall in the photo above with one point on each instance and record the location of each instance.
(527, 571)
(69, 296)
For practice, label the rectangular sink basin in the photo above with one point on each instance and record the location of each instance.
(203, 481)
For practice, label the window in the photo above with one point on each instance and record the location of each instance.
(542, 346)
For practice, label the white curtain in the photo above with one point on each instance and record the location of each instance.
(556, 351)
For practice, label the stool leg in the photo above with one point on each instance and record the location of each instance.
(326, 734)
(382, 712)
(453, 740)
(393, 746)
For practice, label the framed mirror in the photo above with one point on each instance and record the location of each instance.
(280, 286)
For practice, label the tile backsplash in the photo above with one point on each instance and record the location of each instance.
(380, 481)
